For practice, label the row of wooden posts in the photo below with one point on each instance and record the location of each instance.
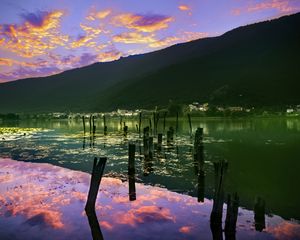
(220, 169)
(153, 130)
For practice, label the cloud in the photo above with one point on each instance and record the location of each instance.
(145, 215)
(282, 6)
(183, 37)
(164, 42)
(184, 7)
(133, 37)
(83, 41)
(110, 55)
(39, 33)
(87, 40)
(142, 23)
(93, 14)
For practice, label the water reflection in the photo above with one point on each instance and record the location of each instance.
(46, 202)
(260, 153)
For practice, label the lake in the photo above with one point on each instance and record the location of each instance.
(171, 199)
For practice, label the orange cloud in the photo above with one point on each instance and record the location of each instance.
(282, 6)
(39, 33)
(142, 23)
(91, 34)
(93, 15)
(285, 230)
(184, 37)
(164, 42)
(184, 8)
(185, 229)
(133, 37)
(108, 56)
(145, 214)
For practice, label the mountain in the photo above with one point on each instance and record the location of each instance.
(254, 65)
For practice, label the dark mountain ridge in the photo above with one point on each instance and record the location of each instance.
(254, 65)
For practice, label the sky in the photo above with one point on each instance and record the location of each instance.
(41, 38)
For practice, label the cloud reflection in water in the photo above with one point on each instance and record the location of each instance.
(41, 201)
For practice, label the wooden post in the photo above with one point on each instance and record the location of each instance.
(159, 141)
(140, 123)
(190, 124)
(97, 172)
(170, 135)
(151, 147)
(94, 225)
(125, 129)
(150, 124)
(83, 122)
(146, 141)
(198, 149)
(201, 186)
(131, 172)
(104, 124)
(217, 210)
(94, 126)
(176, 123)
(220, 172)
(154, 122)
(131, 158)
(231, 216)
(121, 120)
(259, 214)
(165, 114)
(90, 124)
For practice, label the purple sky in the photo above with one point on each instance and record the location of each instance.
(39, 38)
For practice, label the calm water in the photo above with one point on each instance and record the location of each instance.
(262, 154)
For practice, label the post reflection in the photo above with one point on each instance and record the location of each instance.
(94, 225)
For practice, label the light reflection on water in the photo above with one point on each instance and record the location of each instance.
(43, 201)
(262, 155)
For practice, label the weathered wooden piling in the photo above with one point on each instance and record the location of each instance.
(190, 123)
(131, 172)
(140, 123)
(121, 120)
(176, 123)
(104, 125)
(125, 130)
(146, 141)
(170, 135)
(199, 149)
(220, 173)
(165, 114)
(94, 126)
(83, 143)
(156, 123)
(201, 186)
(90, 121)
(131, 184)
(159, 141)
(94, 225)
(131, 158)
(259, 214)
(151, 147)
(83, 123)
(150, 126)
(97, 172)
(231, 216)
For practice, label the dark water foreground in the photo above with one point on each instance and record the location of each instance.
(263, 163)
(42, 201)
